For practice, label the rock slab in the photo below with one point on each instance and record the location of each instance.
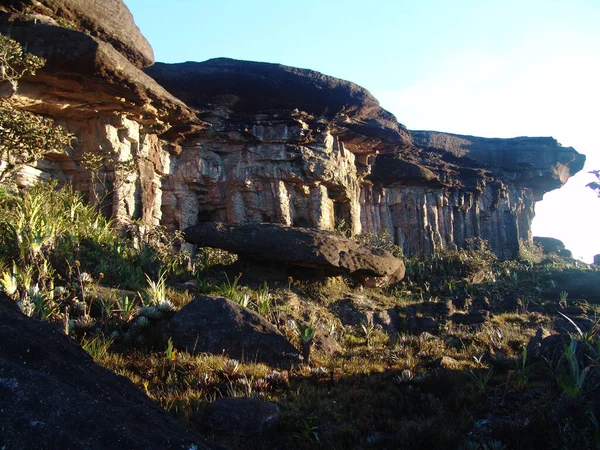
(319, 249)
(52, 395)
(579, 284)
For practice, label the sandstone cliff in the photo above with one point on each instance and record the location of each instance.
(299, 148)
(242, 142)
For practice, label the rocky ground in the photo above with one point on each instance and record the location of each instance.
(465, 352)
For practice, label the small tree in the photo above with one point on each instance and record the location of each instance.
(24, 137)
(14, 63)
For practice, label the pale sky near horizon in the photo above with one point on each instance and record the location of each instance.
(493, 68)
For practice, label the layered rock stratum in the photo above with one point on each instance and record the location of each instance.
(242, 142)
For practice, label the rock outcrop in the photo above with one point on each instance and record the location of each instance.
(243, 142)
(552, 246)
(287, 145)
(579, 284)
(115, 110)
(52, 395)
(317, 249)
(219, 326)
(108, 20)
(295, 147)
(448, 188)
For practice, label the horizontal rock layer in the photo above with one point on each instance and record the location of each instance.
(108, 20)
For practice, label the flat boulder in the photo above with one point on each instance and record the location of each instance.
(219, 326)
(53, 395)
(307, 247)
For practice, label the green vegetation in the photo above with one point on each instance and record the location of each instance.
(24, 137)
(381, 389)
(14, 62)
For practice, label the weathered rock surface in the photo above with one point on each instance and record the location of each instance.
(539, 163)
(241, 416)
(114, 109)
(287, 145)
(318, 249)
(447, 188)
(357, 309)
(297, 148)
(219, 326)
(86, 77)
(108, 20)
(249, 88)
(52, 395)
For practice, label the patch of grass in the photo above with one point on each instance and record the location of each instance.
(97, 347)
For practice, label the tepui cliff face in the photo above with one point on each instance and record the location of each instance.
(241, 142)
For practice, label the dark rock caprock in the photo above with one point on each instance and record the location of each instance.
(319, 249)
(52, 395)
(109, 20)
(220, 326)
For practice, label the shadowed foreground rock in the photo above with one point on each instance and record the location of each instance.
(52, 395)
(318, 249)
(217, 325)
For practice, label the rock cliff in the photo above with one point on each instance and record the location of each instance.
(299, 148)
(114, 109)
(242, 142)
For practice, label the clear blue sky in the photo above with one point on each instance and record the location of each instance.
(490, 68)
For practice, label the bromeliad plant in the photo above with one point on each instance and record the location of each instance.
(306, 335)
(572, 378)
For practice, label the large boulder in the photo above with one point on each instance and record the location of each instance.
(579, 284)
(218, 325)
(108, 20)
(319, 249)
(52, 395)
